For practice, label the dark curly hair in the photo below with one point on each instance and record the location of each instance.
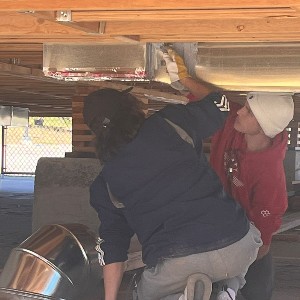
(115, 118)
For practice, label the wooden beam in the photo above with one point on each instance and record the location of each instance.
(80, 126)
(29, 5)
(10, 68)
(213, 27)
(88, 27)
(23, 54)
(36, 105)
(14, 80)
(22, 28)
(70, 38)
(31, 104)
(35, 99)
(95, 27)
(14, 23)
(202, 37)
(176, 14)
(25, 28)
(84, 149)
(32, 47)
(83, 138)
(296, 9)
(35, 92)
(255, 37)
(141, 93)
(129, 39)
(29, 73)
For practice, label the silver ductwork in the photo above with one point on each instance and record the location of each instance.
(232, 66)
(14, 116)
(250, 66)
(56, 262)
(242, 66)
(96, 62)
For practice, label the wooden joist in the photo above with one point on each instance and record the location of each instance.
(180, 15)
(29, 5)
(14, 26)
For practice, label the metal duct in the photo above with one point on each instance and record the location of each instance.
(13, 116)
(97, 62)
(232, 66)
(56, 262)
(250, 66)
(241, 67)
(5, 115)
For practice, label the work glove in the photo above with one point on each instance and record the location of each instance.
(175, 67)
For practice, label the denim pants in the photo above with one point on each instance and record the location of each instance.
(170, 276)
(259, 280)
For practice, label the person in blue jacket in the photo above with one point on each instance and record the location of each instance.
(157, 183)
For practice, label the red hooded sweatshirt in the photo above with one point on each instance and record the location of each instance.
(255, 179)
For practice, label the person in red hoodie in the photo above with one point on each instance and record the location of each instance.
(247, 153)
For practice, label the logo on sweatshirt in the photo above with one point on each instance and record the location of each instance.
(223, 104)
(265, 213)
(231, 166)
(99, 241)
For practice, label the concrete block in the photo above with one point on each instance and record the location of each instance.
(61, 193)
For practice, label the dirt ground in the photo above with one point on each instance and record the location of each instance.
(15, 226)
(15, 222)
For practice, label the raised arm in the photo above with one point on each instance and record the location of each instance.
(196, 88)
(180, 78)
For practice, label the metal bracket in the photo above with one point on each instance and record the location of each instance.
(64, 16)
(102, 27)
(28, 12)
(15, 60)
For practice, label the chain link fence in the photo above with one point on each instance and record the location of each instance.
(44, 137)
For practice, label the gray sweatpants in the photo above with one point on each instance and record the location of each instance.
(230, 264)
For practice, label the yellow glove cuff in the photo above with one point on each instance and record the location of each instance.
(182, 70)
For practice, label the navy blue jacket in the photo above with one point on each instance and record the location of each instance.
(172, 198)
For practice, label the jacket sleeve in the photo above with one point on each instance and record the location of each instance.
(200, 119)
(269, 203)
(114, 232)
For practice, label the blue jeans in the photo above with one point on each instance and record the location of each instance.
(259, 280)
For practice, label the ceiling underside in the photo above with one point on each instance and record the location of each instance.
(26, 25)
